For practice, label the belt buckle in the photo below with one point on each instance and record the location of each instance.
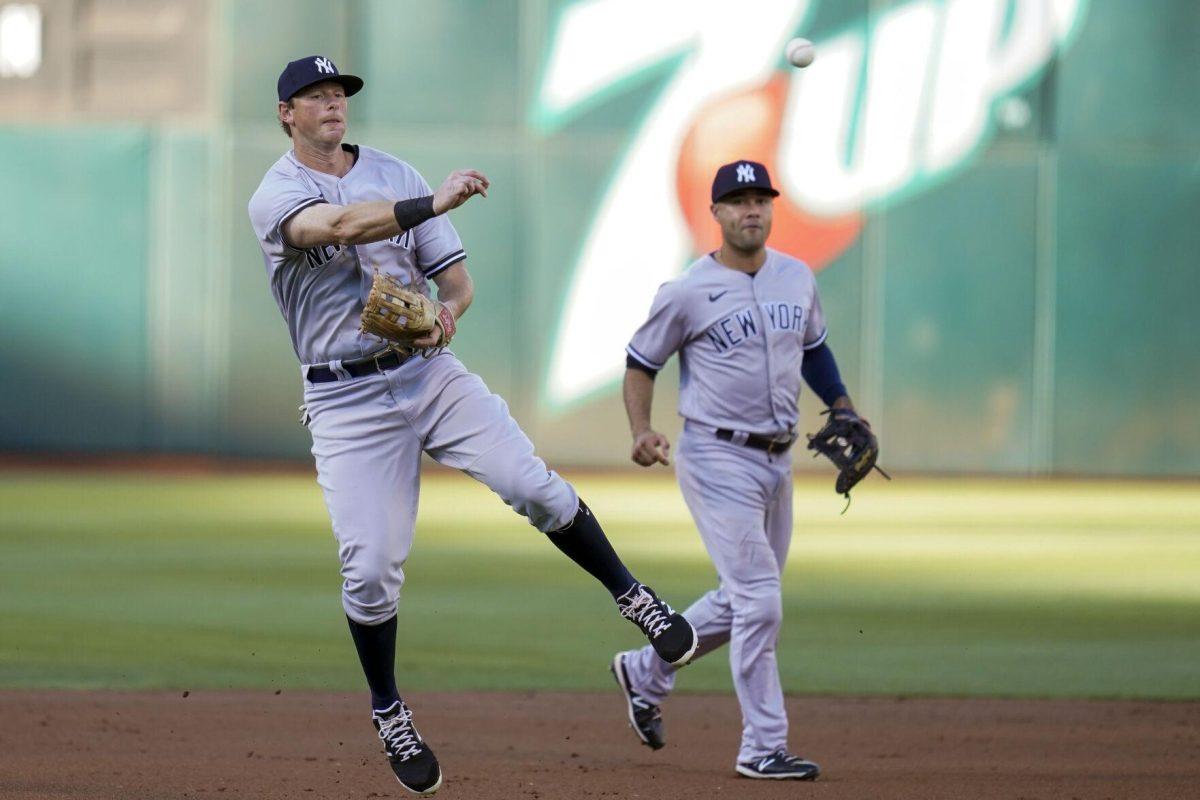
(378, 355)
(780, 445)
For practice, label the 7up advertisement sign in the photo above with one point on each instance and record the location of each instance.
(892, 106)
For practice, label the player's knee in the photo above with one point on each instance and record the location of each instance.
(545, 499)
(369, 607)
(371, 591)
(720, 600)
(761, 610)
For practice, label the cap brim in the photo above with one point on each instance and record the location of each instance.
(772, 192)
(351, 83)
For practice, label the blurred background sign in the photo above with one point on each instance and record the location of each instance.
(20, 40)
(1000, 197)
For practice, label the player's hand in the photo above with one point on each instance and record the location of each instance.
(458, 188)
(651, 448)
(431, 340)
(843, 404)
(448, 312)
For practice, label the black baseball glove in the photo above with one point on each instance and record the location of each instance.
(847, 441)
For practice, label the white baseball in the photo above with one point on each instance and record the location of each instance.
(800, 52)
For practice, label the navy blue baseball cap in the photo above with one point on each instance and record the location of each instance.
(738, 175)
(304, 72)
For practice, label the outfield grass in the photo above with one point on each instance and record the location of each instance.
(926, 586)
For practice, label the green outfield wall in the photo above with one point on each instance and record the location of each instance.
(1014, 291)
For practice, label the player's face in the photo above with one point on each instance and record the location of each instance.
(745, 219)
(318, 113)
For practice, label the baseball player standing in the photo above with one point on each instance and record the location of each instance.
(327, 214)
(747, 324)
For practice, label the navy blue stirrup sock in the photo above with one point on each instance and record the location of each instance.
(376, 645)
(584, 542)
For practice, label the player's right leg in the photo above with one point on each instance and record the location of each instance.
(646, 680)
(652, 678)
(467, 427)
(368, 466)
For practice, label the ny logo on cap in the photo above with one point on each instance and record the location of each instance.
(745, 173)
(326, 66)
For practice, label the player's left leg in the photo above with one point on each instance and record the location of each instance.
(465, 426)
(778, 520)
(780, 764)
(728, 489)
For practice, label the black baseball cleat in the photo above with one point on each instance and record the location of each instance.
(671, 636)
(415, 765)
(780, 766)
(644, 718)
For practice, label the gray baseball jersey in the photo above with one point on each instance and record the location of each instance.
(369, 432)
(321, 291)
(740, 340)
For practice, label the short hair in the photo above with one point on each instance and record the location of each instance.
(287, 128)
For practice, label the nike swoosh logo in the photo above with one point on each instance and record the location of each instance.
(712, 298)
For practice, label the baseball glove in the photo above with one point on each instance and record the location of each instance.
(847, 441)
(400, 316)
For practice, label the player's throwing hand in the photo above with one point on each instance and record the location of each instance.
(651, 448)
(458, 188)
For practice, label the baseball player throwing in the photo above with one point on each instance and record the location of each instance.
(747, 324)
(328, 215)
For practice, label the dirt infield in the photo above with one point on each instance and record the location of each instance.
(545, 746)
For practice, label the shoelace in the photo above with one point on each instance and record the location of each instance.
(652, 616)
(399, 736)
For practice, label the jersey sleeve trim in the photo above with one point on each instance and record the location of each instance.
(445, 263)
(633, 363)
(296, 209)
(819, 340)
(641, 359)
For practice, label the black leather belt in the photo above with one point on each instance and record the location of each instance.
(382, 361)
(758, 442)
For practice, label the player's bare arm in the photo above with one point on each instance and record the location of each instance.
(455, 291)
(649, 446)
(328, 224)
(376, 220)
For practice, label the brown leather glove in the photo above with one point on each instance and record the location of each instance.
(400, 316)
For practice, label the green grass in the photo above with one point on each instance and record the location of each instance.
(925, 586)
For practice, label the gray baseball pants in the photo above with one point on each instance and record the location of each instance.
(368, 435)
(741, 501)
